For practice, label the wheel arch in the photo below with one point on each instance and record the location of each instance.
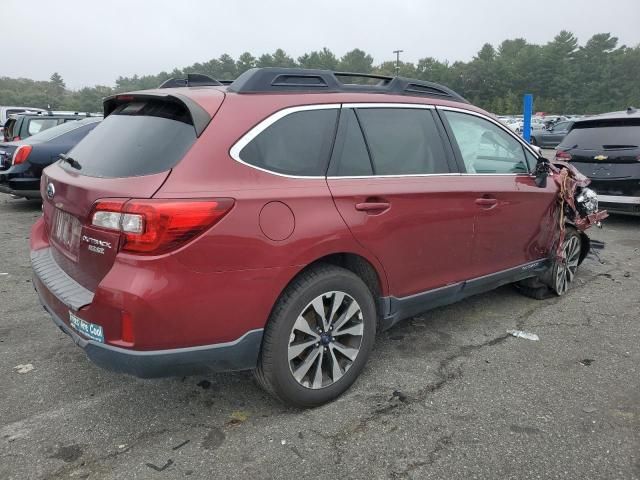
(371, 274)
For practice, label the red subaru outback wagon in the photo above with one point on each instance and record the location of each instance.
(279, 222)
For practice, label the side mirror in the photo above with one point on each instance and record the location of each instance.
(542, 172)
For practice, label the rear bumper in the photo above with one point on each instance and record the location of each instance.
(240, 354)
(620, 204)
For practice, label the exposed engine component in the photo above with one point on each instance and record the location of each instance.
(586, 201)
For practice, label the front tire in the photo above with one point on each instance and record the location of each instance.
(558, 278)
(563, 271)
(318, 337)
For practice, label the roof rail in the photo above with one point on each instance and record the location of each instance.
(275, 80)
(192, 80)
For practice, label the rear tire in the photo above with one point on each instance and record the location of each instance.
(318, 337)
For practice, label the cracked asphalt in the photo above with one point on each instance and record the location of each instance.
(448, 394)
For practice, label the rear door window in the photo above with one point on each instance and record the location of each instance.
(299, 144)
(139, 138)
(403, 141)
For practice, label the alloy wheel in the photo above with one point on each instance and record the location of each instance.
(325, 340)
(565, 270)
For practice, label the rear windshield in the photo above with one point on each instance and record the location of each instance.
(139, 138)
(603, 136)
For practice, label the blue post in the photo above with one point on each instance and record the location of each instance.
(528, 110)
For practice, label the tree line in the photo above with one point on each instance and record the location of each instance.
(563, 76)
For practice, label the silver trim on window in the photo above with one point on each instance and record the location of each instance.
(388, 105)
(498, 124)
(237, 147)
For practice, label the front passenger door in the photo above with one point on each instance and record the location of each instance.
(514, 219)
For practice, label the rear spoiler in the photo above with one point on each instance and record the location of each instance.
(199, 115)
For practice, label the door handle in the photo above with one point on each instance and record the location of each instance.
(486, 202)
(372, 206)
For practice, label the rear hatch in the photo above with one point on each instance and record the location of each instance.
(129, 155)
(606, 151)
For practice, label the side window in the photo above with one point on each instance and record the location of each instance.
(485, 147)
(561, 127)
(403, 141)
(350, 155)
(531, 160)
(297, 144)
(40, 124)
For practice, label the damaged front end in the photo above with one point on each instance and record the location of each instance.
(577, 211)
(578, 204)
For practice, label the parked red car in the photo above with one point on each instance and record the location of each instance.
(279, 222)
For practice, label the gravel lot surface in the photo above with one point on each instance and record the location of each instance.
(446, 395)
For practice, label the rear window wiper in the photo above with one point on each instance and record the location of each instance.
(74, 163)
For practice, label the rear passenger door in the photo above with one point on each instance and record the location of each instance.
(514, 219)
(394, 183)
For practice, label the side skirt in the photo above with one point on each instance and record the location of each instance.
(396, 309)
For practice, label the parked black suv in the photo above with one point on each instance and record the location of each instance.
(21, 126)
(606, 148)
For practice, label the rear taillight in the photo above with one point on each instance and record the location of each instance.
(563, 155)
(21, 154)
(156, 226)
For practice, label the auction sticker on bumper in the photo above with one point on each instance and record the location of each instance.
(91, 330)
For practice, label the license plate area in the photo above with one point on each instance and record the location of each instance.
(66, 231)
(88, 329)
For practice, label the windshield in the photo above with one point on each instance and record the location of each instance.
(139, 138)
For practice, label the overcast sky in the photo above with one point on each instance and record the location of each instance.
(94, 41)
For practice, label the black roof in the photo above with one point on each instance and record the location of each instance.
(284, 80)
(301, 80)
